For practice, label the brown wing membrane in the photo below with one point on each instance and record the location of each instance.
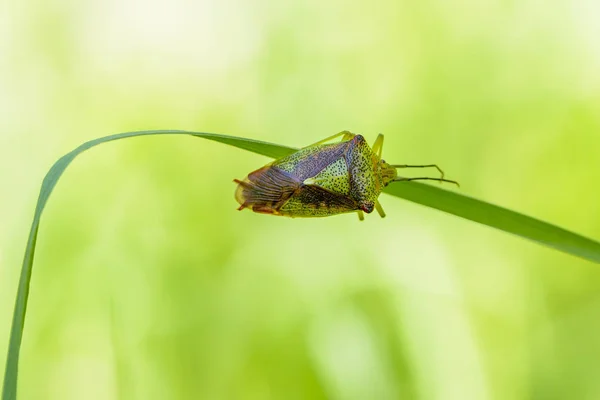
(266, 190)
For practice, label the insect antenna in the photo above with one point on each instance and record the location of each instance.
(400, 179)
(421, 166)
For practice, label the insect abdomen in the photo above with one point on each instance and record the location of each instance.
(270, 190)
(362, 178)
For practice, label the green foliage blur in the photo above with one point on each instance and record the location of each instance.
(148, 284)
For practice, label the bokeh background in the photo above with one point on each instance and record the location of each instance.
(148, 284)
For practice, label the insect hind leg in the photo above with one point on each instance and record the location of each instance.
(346, 135)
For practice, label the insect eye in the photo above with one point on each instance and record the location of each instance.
(382, 161)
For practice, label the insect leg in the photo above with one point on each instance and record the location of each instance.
(379, 209)
(421, 166)
(345, 136)
(399, 179)
(378, 145)
(361, 215)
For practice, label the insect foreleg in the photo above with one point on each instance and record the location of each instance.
(379, 209)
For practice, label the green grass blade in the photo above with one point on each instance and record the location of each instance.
(427, 195)
(497, 217)
(9, 388)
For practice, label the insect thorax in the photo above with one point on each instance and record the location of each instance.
(364, 177)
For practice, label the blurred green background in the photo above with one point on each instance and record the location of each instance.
(148, 284)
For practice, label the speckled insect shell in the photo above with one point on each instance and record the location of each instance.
(318, 181)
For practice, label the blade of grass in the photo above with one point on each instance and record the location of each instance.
(430, 196)
(497, 217)
(9, 387)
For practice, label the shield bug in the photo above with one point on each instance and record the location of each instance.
(324, 179)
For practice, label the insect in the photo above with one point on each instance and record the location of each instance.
(324, 179)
